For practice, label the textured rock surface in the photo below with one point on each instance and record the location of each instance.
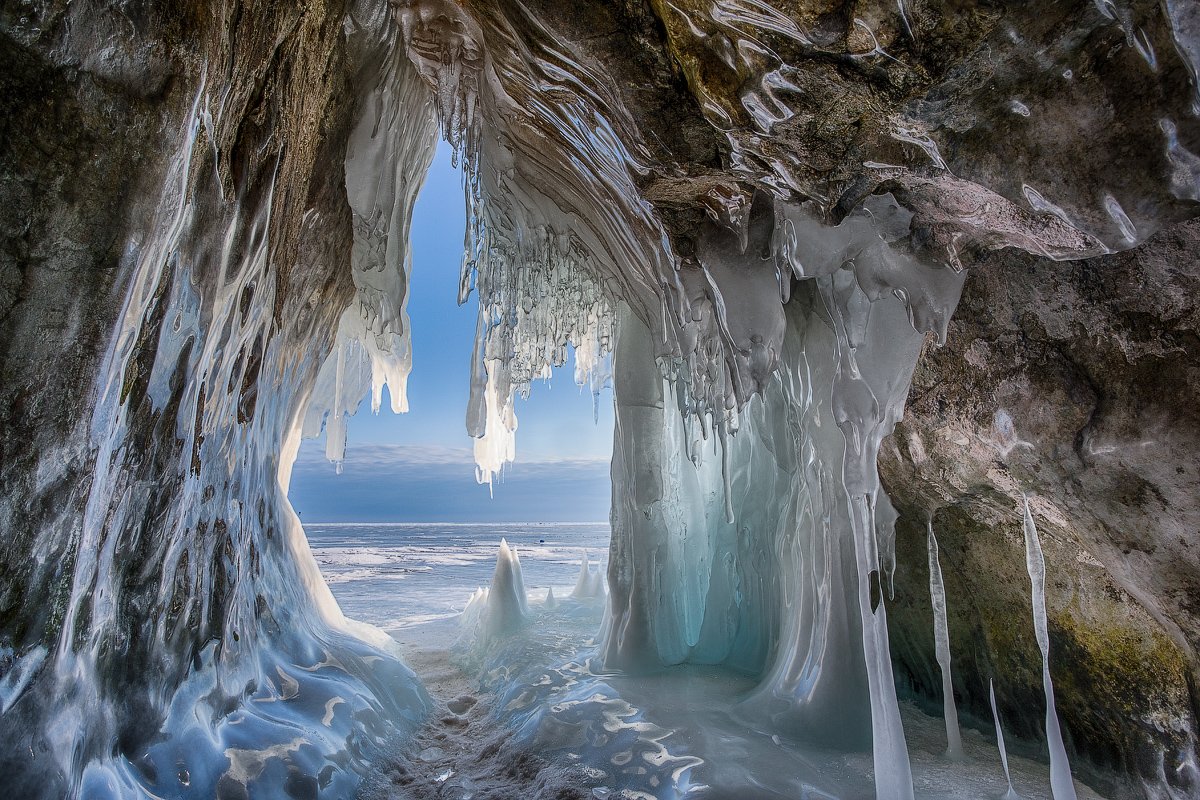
(143, 320)
(1077, 383)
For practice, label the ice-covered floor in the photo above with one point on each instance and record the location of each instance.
(529, 718)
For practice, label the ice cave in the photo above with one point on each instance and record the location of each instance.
(894, 302)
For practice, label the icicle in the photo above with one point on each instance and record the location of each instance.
(1061, 784)
(941, 637)
(551, 602)
(1011, 794)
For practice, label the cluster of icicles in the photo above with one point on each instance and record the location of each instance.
(1061, 784)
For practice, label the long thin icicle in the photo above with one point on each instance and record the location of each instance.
(1011, 794)
(941, 637)
(1061, 784)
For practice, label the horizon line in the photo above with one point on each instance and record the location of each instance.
(456, 524)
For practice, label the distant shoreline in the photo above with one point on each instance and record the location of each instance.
(454, 524)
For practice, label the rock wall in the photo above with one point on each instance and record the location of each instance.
(1076, 383)
(176, 254)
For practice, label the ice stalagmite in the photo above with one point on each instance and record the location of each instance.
(1060, 770)
(1011, 794)
(590, 583)
(941, 640)
(506, 609)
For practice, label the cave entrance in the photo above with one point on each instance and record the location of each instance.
(404, 533)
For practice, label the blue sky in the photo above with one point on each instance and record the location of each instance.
(417, 466)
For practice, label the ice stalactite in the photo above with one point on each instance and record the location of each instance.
(537, 223)
(1060, 769)
(390, 149)
(1011, 793)
(941, 641)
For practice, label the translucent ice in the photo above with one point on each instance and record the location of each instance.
(941, 640)
(1011, 794)
(1060, 769)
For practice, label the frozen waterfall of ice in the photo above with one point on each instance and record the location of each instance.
(198, 416)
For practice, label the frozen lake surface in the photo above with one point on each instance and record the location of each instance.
(399, 575)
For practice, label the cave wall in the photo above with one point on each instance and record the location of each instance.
(176, 256)
(1075, 383)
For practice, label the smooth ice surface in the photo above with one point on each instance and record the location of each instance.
(1060, 769)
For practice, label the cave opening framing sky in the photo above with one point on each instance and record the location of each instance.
(418, 467)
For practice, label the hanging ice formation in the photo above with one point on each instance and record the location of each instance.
(1011, 793)
(1061, 783)
(774, 289)
(941, 641)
